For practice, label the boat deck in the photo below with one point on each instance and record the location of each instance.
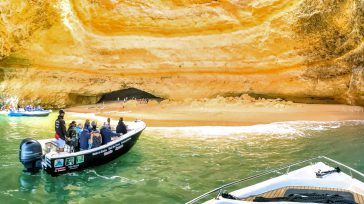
(280, 193)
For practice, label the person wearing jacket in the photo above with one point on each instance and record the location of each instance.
(72, 137)
(95, 138)
(84, 139)
(79, 129)
(61, 132)
(106, 134)
(109, 123)
(121, 128)
(87, 125)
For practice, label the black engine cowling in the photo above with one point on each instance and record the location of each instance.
(30, 155)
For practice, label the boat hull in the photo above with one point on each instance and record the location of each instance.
(30, 114)
(15, 114)
(79, 161)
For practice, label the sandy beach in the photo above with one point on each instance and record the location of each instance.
(231, 111)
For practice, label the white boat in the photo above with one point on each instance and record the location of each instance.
(37, 113)
(317, 182)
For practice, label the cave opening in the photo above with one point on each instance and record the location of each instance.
(128, 94)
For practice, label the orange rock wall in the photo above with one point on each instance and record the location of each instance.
(65, 52)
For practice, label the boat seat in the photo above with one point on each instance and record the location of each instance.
(280, 192)
(50, 146)
(347, 195)
(69, 148)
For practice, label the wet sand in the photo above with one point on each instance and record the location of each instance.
(221, 112)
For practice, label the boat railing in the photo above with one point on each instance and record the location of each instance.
(286, 169)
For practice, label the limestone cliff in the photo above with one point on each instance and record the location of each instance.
(63, 52)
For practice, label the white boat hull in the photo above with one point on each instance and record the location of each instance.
(303, 178)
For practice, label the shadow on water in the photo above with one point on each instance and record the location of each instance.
(80, 184)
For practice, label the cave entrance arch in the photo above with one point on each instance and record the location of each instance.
(127, 94)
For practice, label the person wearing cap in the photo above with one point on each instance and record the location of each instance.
(61, 132)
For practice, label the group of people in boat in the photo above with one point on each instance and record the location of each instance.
(28, 108)
(83, 137)
(32, 108)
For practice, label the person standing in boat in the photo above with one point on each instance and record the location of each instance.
(107, 134)
(96, 139)
(72, 137)
(61, 132)
(109, 123)
(121, 128)
(79, 129)
(85, 139)
(87, 125)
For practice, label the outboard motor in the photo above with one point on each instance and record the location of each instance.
(30, 155)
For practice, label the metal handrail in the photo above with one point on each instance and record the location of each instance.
(341, 164)
(220, 189)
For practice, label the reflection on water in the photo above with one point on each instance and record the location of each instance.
(173, 165)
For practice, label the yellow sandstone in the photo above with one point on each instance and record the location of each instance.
(65, 52)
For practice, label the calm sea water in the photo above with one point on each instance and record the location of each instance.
(173, 165)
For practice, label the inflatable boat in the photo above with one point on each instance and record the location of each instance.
(42, 113)
(41, 154)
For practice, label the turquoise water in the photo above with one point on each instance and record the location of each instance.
(173, 165)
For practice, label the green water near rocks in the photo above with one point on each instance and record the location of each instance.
(173, 165)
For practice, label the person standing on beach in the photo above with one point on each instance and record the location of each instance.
(61, 132)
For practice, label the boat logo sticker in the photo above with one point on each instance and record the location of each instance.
(70, 161)
(60, 169)
(58, 163)
(80, 159)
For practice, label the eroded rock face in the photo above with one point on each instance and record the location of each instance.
(63, 52)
